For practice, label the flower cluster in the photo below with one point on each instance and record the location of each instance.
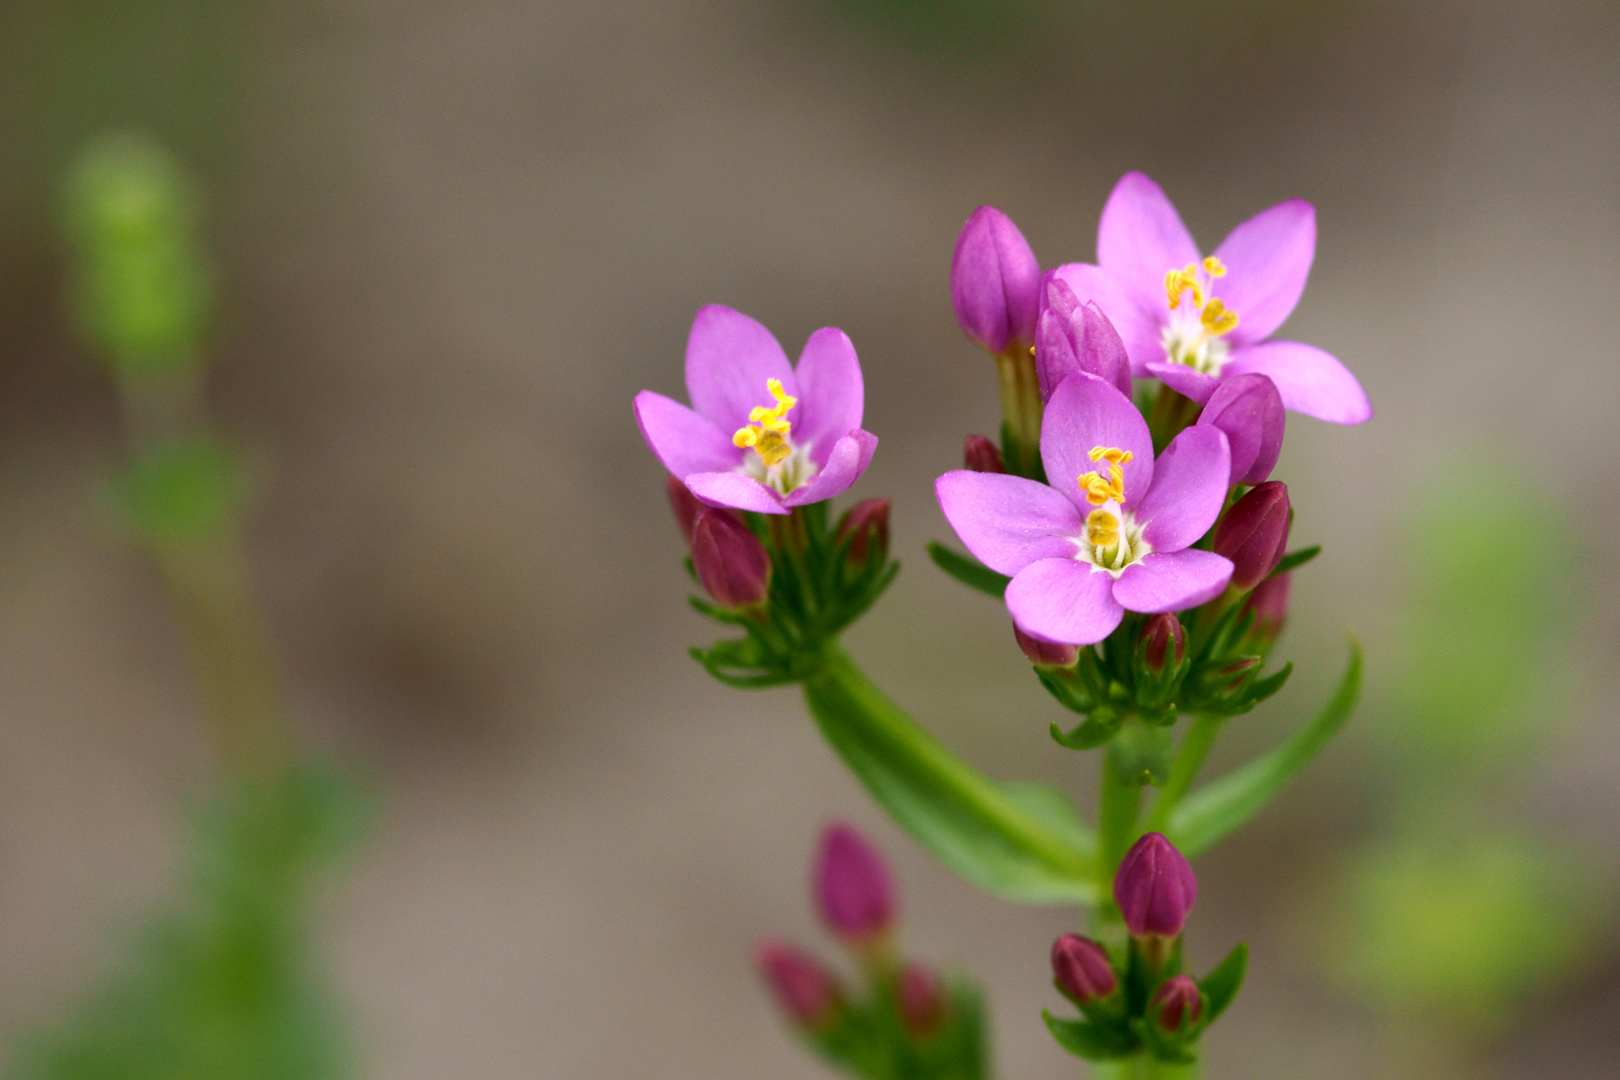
(1128, 520)
(906, 1021)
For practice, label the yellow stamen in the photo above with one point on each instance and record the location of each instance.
(1213, 315)
(1214, 267)
(1177, 282)
(1114, 455)
(1098, 490)
(1217, 318)
(769, 438)
(1102, 529)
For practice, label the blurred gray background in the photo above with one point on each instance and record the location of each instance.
(455, 239)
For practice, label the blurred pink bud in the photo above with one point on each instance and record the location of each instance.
(1155, 888)
(1082, 969)
(1249, 410)
(866, 525)
(1046, 653)
(685, 505)
(804, 989)
(1164, 642)
(729, 559)
(852, 885)
(1269, 604)
(922, 1000)
(995, 282)
(979, 454)
(1176, 1004)
(1254, 534)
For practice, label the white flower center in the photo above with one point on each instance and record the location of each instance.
(786, 474)
(1112, 539)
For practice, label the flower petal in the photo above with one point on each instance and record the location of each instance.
(1189, 488)
(1139, 239)
(735, 489)
(846, 461)
(1086, 412)
(1249, 410)
(832, 395)
(1310, 381)
(681, 439)
(729, 358)
(1064, 601)
(1185, 381)
(1267, 261)
(1008, 522)
(1140, 325)
(1172, 581)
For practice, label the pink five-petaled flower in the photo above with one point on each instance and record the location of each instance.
(761, 435)
(1112, 533)
(1194, 322)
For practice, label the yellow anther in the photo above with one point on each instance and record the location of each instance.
(1216, 317)
(1102, 529)
(1114, 455)
(1177, 282)
(1213, 315)
(1098, 490)
(769, 438)
(1214, 267)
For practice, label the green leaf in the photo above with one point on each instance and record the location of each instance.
(1089, 734)
(967, 570)
(1219, 808)
(1011, 840)
(1090, 1041)
(1222, 984)
(1296, 559)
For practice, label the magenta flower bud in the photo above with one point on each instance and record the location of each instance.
(1155, 888)
(866, 526)
(1176, 1003)
(1046, 653)
(729, 559)
(803, 988)
(1249, 410)
(995, 282)
(1071, 337)
(1269, 604)
(979, 454)
(1163, 642)
(921, 1000)
(1254, 534)
(852, 886)
(1082, 969)
(685, 505)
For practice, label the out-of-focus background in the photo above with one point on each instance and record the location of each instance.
(453, 240)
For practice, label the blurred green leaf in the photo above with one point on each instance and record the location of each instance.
(1084, 1039)
(967, 570)
(1010, 840)
(1219, 808)
(180, 491)
(1223, 984)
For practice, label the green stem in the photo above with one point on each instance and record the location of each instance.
(1143, 1067)
(1195, 746)
(1119, 799)
(1021, 409)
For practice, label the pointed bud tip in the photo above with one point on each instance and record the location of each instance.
(1082, 969)
(995, 281)
(853, 889)
(1158, 635)
(1176, 1003)
(1155, 888)
(979, 454)
(684, 504)
(866, 526)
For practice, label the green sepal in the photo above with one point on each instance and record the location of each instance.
(1296, 559)
(1216, 810)
(1221, 985)
(1094, 1042)
(1089, 733)
(1014, 841)
(968, 570)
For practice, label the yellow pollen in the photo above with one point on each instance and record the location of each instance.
(1216, 318)
(1214, 267)
(769, 432)
(1213, 315)
(1102, 529)
(1098, 490)
(1114, 455)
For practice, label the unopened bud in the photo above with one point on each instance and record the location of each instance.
(995, 282)
(866, 526)
(1072, 337)
(803, 988)
(852, 885)
(921, 1000)
(1082, 969)
(1164, 642)
(1254, 534)
(1155, 888)
(1176, 1004)
(730, 561)
(1269, 605)
(1248, 409)
(1046, 653)
(685, 505)
(979, 454)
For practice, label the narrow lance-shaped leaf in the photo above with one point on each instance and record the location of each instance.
(1020, 842)
(967, 570)
(1221, 985)
(1220, 808)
